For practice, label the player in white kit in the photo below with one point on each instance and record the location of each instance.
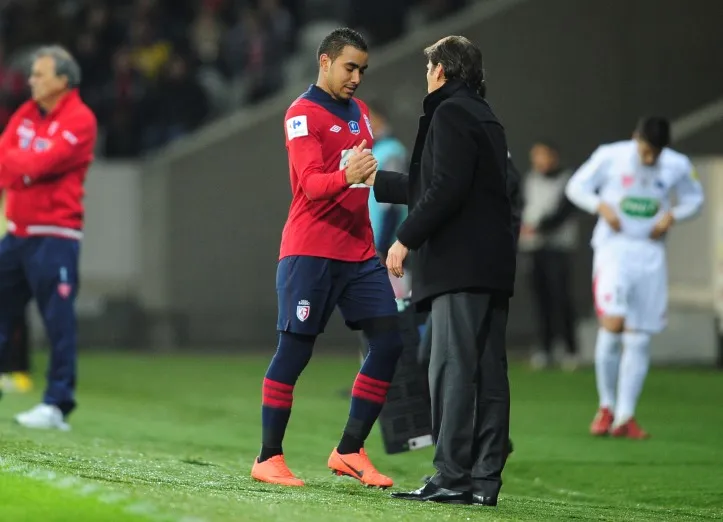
(629, 184)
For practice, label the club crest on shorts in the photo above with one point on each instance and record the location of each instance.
(64, 290)
(303, 309)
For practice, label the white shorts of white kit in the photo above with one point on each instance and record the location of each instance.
(630, 280)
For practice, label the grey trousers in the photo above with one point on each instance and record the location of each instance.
(470, 391)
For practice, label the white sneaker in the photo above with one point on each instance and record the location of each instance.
(43, 417)
(570, 363)
(540, 361)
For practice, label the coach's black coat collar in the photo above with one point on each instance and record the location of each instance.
(435, 98)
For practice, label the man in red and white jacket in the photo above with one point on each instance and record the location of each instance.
(45, 152)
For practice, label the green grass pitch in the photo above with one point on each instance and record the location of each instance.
(173, 438)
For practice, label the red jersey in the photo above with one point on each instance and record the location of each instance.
(43, 162)
(328, 218)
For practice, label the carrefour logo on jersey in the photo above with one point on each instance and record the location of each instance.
(640, 207)
(354, 127)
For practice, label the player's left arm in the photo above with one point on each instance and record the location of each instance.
(69, 148)
(689, 193)
(455, 163)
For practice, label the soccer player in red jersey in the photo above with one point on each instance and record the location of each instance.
(328, 259)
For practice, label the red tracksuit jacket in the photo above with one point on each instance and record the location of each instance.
(44, 159)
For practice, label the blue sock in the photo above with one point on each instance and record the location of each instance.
(292, 355)
(370, 389)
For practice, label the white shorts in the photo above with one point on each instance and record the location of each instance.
(630, 280)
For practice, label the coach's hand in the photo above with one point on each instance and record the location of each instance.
(662, 226)
(609, 215)
(370, 180)
(395, 259)
(361, 164)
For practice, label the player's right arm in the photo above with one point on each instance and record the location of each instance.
(584, 186)
(582, 189)
(303, 142)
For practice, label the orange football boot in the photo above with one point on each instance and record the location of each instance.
(275, 471)
(358, 466)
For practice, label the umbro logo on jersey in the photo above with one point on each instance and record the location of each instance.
(335, 128)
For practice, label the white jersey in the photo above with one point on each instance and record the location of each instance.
(640, 194)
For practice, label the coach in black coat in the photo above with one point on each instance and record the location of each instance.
(460, 219)
(460, 228)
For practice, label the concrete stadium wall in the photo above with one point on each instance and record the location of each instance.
(110, 261)
(579, 72)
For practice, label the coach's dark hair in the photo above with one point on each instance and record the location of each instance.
(333, 44)
(461, 60)
(655, 130)
(65, 64)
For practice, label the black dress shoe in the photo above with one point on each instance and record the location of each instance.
(432, 493)
(479, 499)
(510, 449)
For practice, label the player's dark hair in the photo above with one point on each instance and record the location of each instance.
(333, 44)
(547, 143)
(461, 60)
(655, 130)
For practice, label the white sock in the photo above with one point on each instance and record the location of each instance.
(607, 362)
(633, 370)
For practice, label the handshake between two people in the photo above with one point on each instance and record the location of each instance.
(361, 166)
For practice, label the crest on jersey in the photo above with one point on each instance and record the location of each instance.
(25, 135)
(41, 144)
(369, 125)
(303, 309)
(354, 127)
(628, 180)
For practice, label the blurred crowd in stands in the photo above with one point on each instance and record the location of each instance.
(154, 70)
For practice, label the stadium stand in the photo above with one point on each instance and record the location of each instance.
(155, 70)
